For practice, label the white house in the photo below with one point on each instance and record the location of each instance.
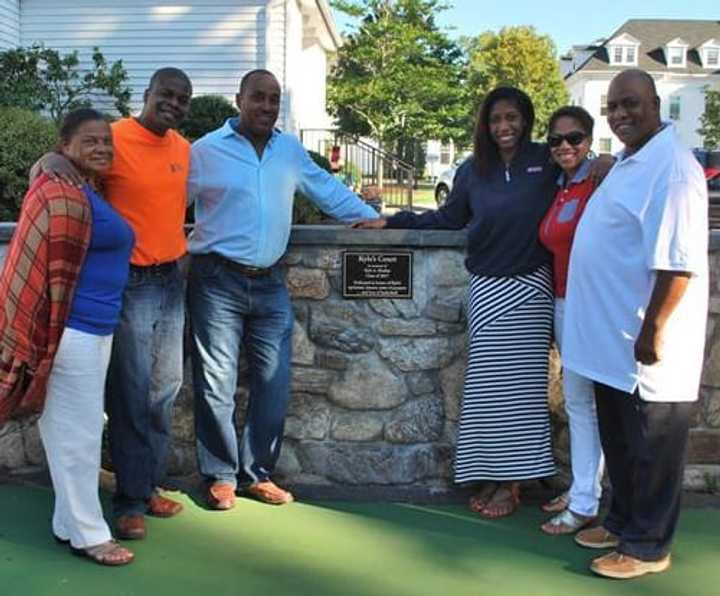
(214, 41)
(683, 57)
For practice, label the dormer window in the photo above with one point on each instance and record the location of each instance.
(676, 53)
(710, 53)
(623, 50)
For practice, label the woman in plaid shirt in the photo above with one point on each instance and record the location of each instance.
(60, 291)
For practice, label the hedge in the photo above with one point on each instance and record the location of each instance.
(24, 137)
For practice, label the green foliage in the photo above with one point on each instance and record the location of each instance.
(710, 120)
(24, 137)
(304, 210)
(38, 78)
(520, 57)
(207, 112)
(398, 76)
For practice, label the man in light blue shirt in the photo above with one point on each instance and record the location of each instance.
(243, 178)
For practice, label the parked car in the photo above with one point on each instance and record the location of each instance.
(443, 185)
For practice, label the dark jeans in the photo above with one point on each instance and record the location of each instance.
(228, 311)
(144, 378)
(645, 445)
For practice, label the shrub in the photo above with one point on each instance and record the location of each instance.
(304, 210)
(207, 112)
(24, 137)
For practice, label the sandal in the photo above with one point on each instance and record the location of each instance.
(566, 522)
(504, 506)
(480, 499)
(556, 505)
(108, 553)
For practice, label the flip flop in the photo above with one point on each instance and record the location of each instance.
(567, 522)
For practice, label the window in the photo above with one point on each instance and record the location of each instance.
(676, 56)
(603, 105)
(712, 57)
(675, 107)
(445, 155)
(623, 54)
(605, 145)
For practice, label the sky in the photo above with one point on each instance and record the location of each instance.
(568, 23)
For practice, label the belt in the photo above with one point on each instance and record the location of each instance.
(160, 268)
(246, 270)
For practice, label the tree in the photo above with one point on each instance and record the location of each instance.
(520, 57)
(710, 120)
(398, 76)
(40, 79)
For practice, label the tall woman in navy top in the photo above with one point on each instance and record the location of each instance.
(72, 421)
(501, 194)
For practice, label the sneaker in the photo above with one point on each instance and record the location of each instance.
(597, 537)
(619, 566)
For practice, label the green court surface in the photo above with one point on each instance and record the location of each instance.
(328, 548)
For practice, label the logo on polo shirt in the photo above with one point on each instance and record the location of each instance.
(176, 167)
(534, 169)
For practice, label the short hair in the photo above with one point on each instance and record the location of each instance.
(577, 113)
(485, 149)
(639, 74)
(75, 119)
(169, 72)
(248, 76)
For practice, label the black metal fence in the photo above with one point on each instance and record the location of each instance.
(360, 164)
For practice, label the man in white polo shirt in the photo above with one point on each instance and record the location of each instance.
(635, 324)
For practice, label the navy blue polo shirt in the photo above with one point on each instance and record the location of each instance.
(502, 211)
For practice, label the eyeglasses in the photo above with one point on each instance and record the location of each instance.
(573, 138)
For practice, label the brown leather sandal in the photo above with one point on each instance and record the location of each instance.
(108, 553)
(477, 502)
(503, 506)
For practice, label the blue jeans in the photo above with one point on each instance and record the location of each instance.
(230, 311)
(144, 378)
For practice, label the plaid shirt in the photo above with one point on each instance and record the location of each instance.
(37, 283)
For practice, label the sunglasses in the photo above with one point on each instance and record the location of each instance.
(573, 138)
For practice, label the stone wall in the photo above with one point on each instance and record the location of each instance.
(377, 383)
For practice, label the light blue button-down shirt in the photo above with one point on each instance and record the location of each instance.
(243, 203)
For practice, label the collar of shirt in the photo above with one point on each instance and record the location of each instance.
(582, 172)
(648, 149)
(229, 129)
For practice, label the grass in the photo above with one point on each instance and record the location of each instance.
(334, 548)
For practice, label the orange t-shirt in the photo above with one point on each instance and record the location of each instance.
(147, 185)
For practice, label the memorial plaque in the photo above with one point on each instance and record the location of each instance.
(370, 274)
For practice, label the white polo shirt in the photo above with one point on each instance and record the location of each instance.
(650, 213)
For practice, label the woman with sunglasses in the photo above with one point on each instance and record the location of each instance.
(501, 194)
(570, 137)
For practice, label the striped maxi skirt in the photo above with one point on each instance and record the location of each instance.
(504, 430)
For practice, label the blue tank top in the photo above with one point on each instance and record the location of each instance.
(98, 294)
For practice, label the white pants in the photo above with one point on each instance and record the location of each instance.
(586, 457)
(71, 431)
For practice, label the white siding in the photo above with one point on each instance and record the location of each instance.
(214, 41)
(9, 24)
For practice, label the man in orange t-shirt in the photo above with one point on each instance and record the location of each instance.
(147, 186)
